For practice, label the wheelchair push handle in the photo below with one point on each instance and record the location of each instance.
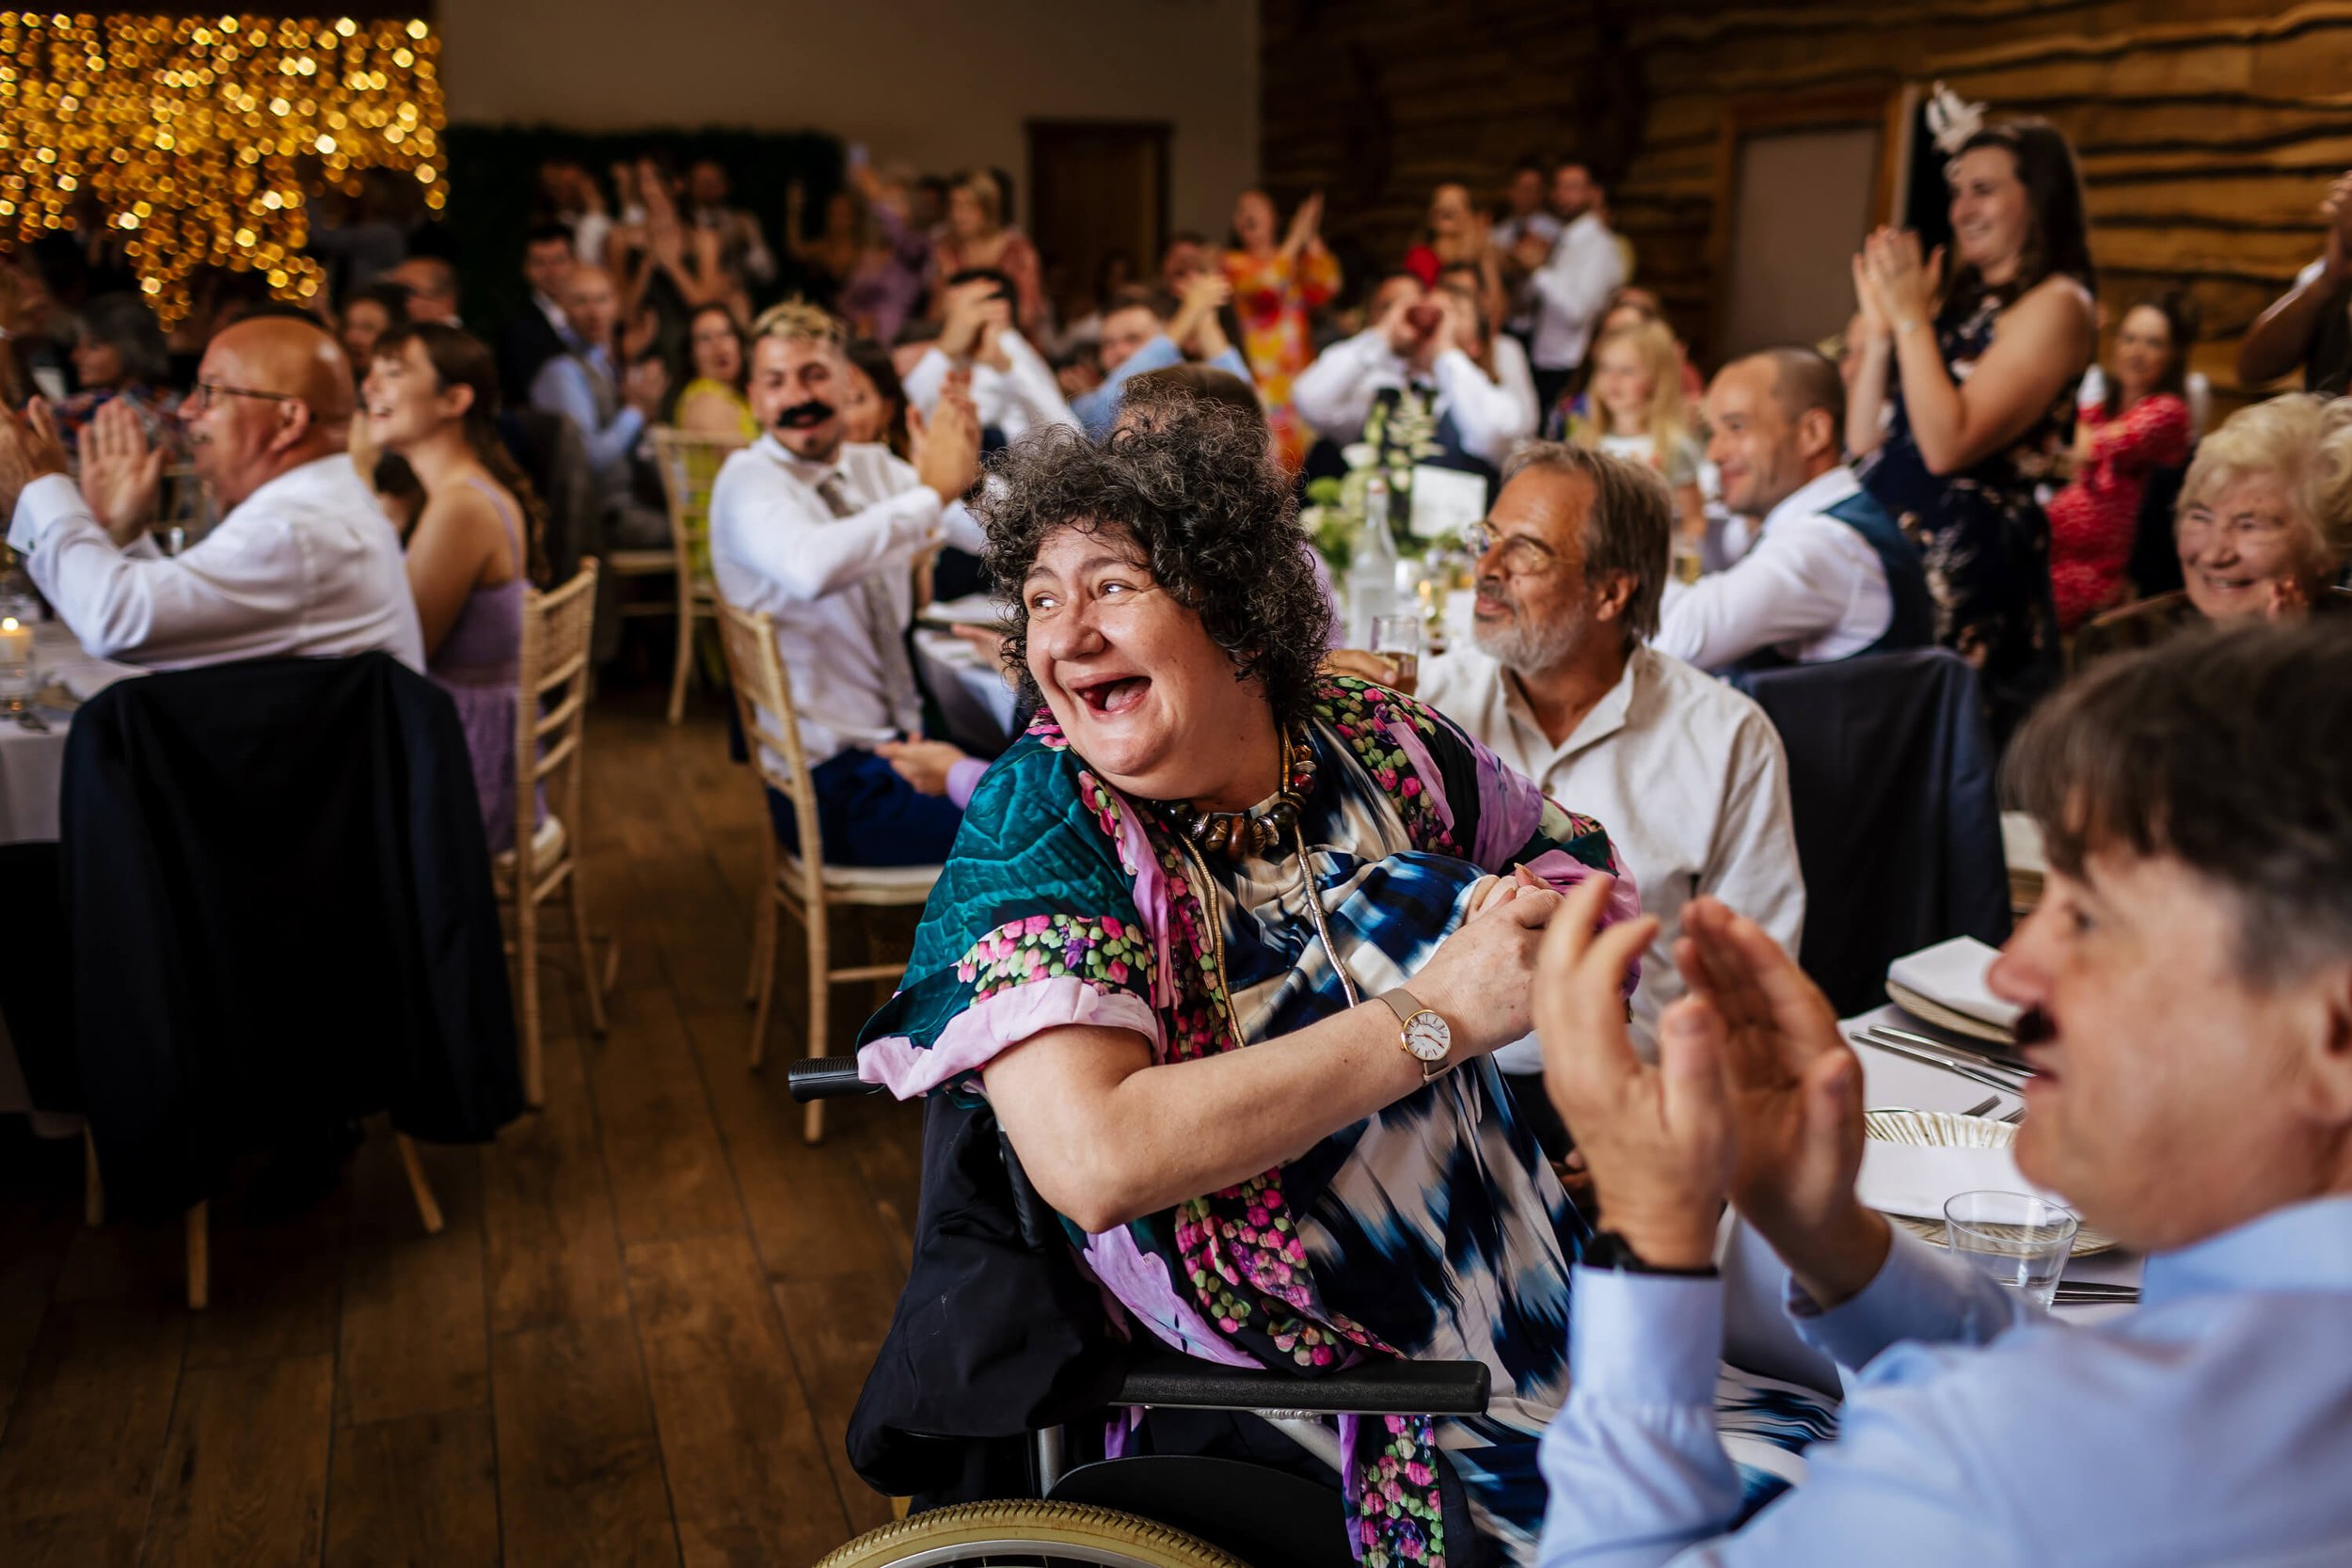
(827, 1078)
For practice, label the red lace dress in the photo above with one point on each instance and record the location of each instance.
(2093, 519)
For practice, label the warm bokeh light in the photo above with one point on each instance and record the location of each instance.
(201, 136)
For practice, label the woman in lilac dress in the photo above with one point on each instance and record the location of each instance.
(432, 397)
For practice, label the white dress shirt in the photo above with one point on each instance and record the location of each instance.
(776, 546)
(1505, 238)
(1687, 775)
(306, 566)
(1810, 587)
(1014, 401)
(1571, 287)
(1335, 394)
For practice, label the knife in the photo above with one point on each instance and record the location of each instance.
(1973, 1075)
(1948, 1054)
(2002, 1062)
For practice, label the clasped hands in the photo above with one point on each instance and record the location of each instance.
(1756, 1098)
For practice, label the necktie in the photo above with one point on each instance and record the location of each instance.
(881, 619)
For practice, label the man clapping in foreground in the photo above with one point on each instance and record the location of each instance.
(2187, 988)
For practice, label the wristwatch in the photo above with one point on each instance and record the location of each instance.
(1609, 1250)
(1427, 1038)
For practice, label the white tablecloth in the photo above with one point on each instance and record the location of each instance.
(33, 761)
(973, 694)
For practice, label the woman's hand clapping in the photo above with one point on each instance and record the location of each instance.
(1891, 277)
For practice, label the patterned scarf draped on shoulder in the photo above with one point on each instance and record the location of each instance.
(1065, 903)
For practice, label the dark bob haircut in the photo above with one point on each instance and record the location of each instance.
(2211, 749)
(1204, 503)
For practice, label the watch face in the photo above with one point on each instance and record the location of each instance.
(1427, 1038)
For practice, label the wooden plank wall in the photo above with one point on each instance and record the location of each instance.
(2208, 129)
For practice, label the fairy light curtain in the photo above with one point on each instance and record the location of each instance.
(201, 139)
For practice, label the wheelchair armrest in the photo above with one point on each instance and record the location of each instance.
(827, 1078)
(1378, 1389)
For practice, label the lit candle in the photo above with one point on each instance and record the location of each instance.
(16, 644)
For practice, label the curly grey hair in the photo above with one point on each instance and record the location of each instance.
(1209, 512)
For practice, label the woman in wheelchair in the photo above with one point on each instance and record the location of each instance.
(1225, 943)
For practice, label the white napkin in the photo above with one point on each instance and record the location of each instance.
(1951, 974)
(2021, 843)
(979, 610)
(1906, 1178)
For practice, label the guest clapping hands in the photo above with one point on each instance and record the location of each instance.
(1963, 397)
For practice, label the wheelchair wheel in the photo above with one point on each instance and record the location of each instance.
(1028, 1534)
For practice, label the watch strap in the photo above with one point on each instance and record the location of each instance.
(1606, 1249)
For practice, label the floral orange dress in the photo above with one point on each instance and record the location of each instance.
(1272, 296)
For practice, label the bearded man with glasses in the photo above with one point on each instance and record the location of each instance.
(303, 564)
(1689, 773)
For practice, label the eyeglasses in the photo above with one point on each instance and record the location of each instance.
(2247, 528)
(1522, 557)
(209, 392)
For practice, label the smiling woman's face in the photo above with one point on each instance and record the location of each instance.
(1134, 680)
(2243, 542)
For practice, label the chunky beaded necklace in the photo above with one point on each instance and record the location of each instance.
(1259, 829)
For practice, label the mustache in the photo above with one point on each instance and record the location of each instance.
(802, 415)
(2034, 1025)
(1492, 589)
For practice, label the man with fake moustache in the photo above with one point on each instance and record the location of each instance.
(825, 536)
(2187, 988)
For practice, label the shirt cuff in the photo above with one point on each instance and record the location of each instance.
(1918, 1293)
(963, 779)
(918, 511)
(40, 507)
(1643, 1338)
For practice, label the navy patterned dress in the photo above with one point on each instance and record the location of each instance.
(1982, 535)
(1434, 1230)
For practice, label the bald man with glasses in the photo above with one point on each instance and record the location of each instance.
(304, 563)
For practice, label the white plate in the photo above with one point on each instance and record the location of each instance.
(1948, 1130)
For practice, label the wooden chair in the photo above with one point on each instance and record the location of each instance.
(198, 1221)
(799, 884)
(548, 724)
(690, 466)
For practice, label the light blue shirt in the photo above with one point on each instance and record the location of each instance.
(2214, 1424)
(1098, 410)
(562, 386)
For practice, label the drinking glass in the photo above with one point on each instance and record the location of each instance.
(1397, 639)
(2019, 1239)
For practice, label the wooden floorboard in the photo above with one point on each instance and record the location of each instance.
(421, 1492)
(78, 1465)
(636, 1340)
(836, 1327)
(243, 1482)
(414, 1331)
(746, 1463)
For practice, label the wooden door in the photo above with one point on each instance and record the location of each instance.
(1800, 182)
(1095, 187)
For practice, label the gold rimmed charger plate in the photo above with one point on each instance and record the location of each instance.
(1950, 1130)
